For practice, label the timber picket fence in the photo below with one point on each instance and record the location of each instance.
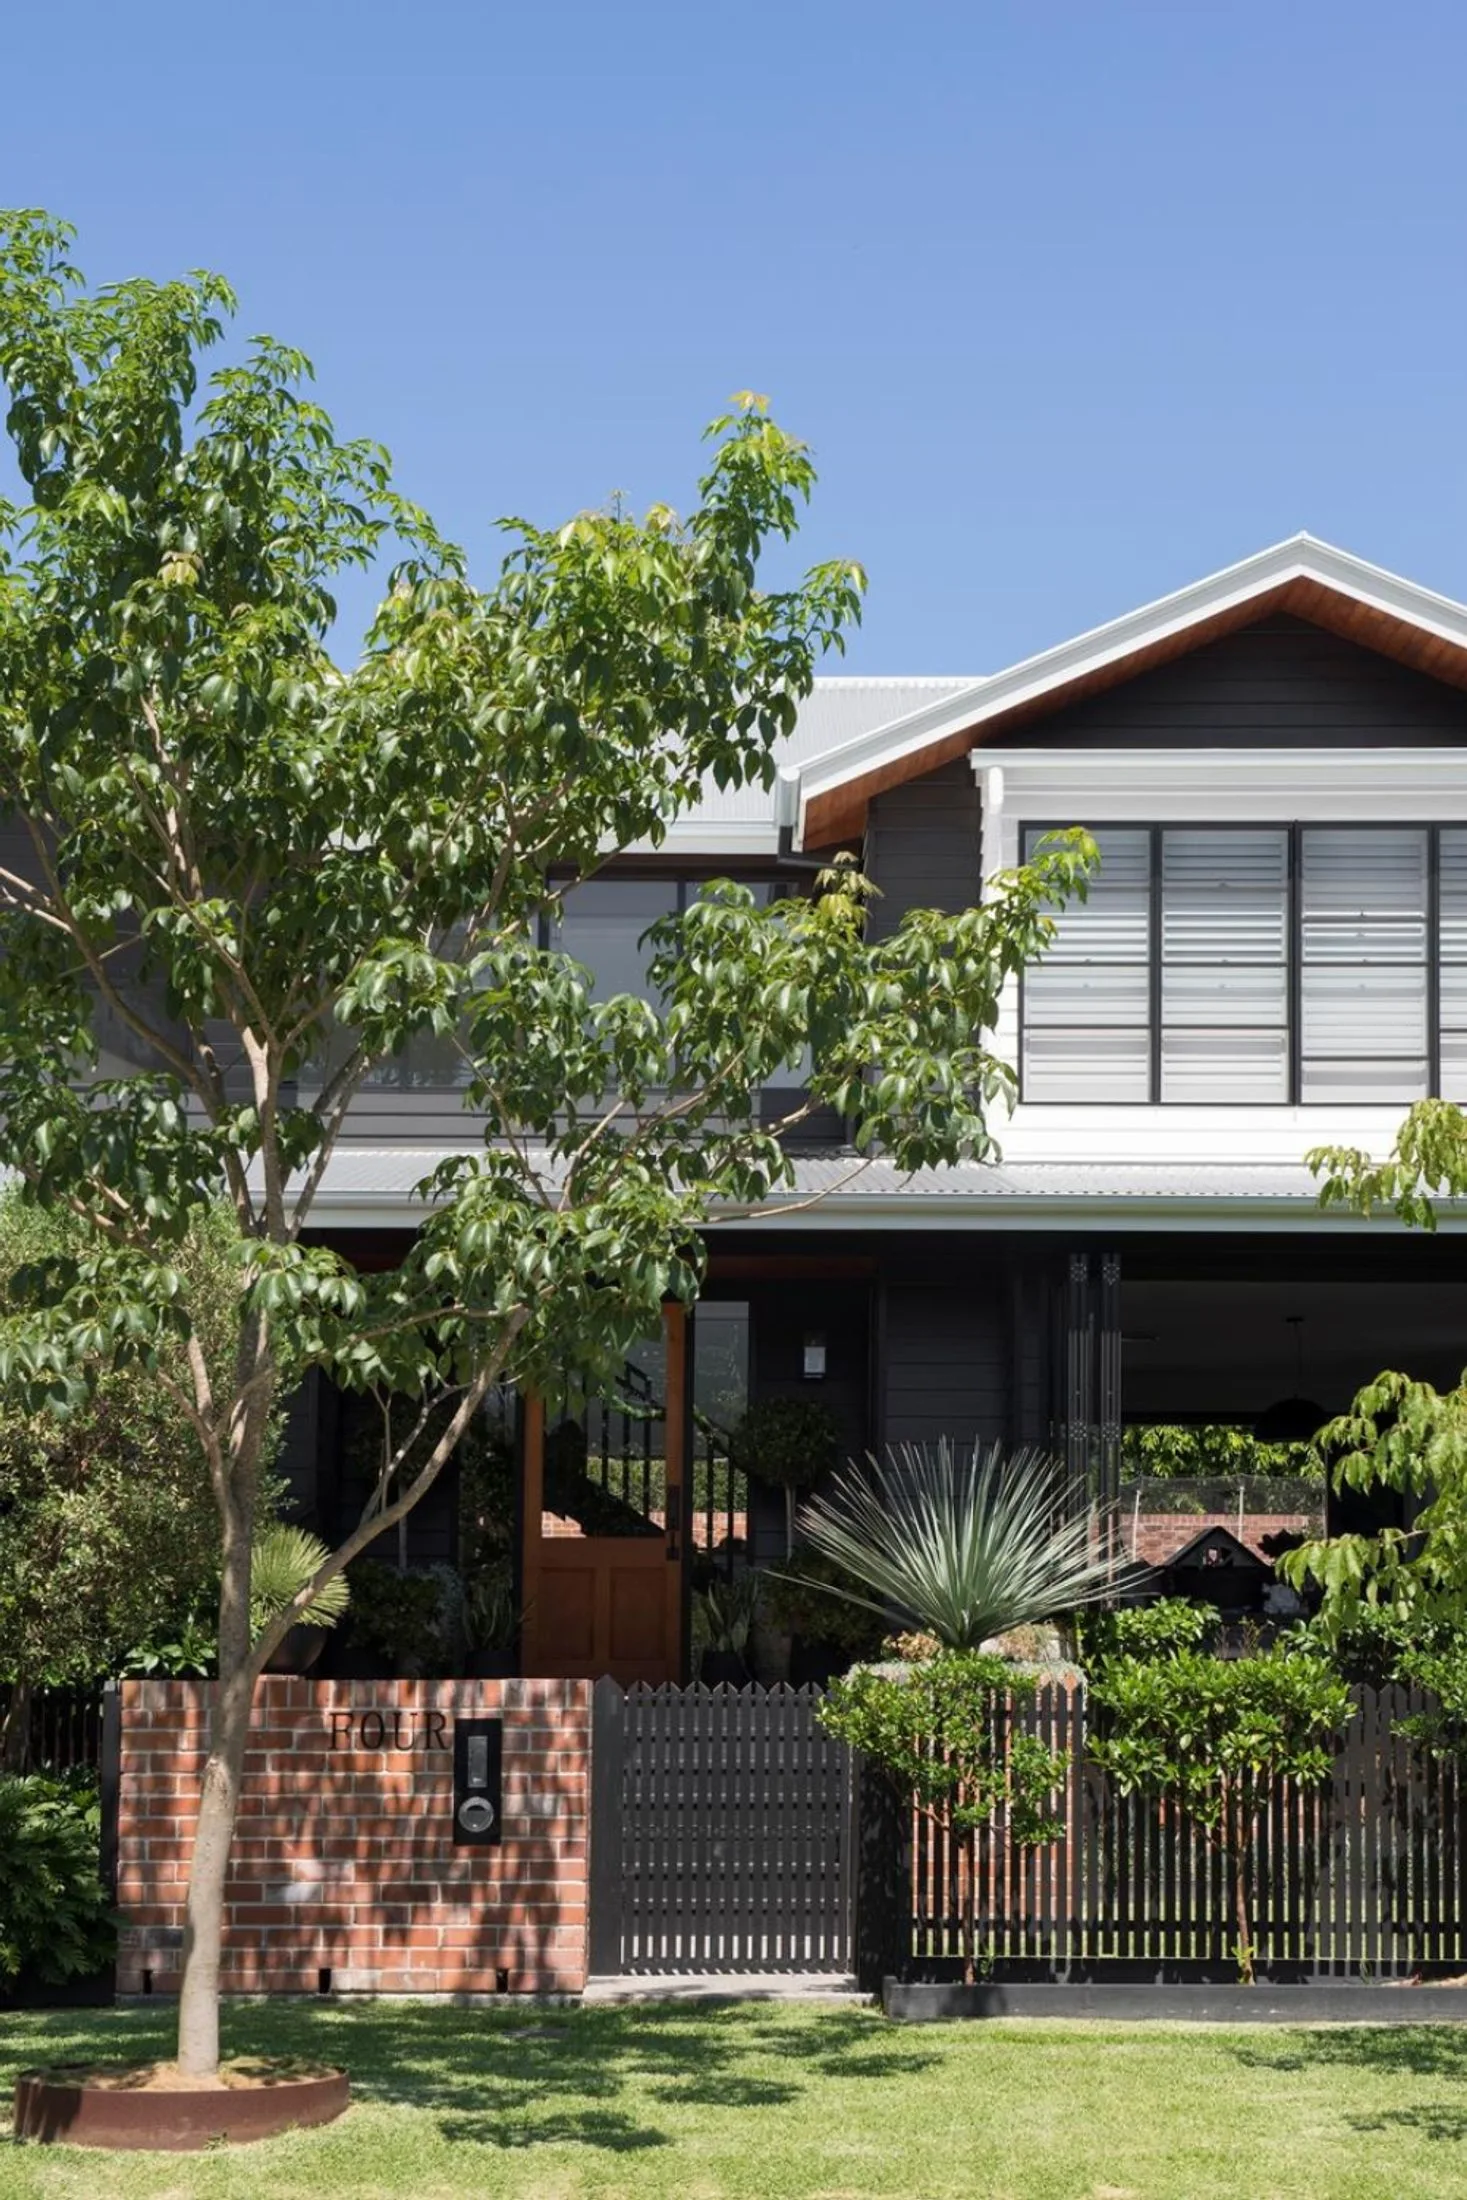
(1363, 1875)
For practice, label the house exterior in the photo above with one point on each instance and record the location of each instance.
(1272, 958)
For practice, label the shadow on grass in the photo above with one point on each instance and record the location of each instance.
(1393, 2050)
(523, 2078)
(1431, 2051)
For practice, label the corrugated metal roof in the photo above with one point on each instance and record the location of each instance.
(377, 1183)
(839, 710)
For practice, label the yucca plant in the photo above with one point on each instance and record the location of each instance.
(963, 1546)
(284, 1560)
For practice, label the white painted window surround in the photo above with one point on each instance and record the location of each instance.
(1204, 1076)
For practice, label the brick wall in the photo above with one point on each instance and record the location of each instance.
(1157, 1537)
(344, 1857)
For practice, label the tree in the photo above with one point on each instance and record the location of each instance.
(945, 1731)
(108, 1532)
(1213, 1452)
(1399, 1434)
(1219, 1736)
(788, 1443)
(273, 872)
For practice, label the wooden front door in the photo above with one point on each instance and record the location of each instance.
(611, 1604)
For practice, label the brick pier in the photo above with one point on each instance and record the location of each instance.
(344, 1861)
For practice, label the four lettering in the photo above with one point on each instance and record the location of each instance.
(389, 1729)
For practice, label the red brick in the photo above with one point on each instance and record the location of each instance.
(365, 1838)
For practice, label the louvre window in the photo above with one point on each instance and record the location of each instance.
(1363, 977)
(1257, 964)
(1087, 1016)
(1453, 976)
(1224, 965)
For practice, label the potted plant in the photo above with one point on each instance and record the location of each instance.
(816, 1602)
(285, 1557)
(723, 1623)
(788, 1443)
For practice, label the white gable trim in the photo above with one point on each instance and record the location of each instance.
(1301, 558)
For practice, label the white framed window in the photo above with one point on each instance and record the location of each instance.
(1256, 965)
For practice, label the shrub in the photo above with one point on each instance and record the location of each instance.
(399, 1616)
(810, 1596)
(110, 1532)
(56, 1921)
(1219, 1735)
(1147, 1631)
(964, 1546)
(945, 1731)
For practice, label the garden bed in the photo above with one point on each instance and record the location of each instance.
(153, 2105)
(1309, 2001)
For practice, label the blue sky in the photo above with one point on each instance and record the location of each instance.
(1076, 302)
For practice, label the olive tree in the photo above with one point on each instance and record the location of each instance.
(270, 867)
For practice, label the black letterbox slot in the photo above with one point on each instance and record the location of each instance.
(478, 1746)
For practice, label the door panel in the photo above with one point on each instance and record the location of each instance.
(598, 1605)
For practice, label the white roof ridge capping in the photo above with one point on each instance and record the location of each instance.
(1301, 557)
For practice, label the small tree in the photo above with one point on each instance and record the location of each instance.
(788, 1443)
(274, 873)
(108, 1530)
(1219, 1736)
(1399, 1434)
(945, 1730)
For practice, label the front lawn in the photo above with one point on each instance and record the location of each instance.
(758, 2101)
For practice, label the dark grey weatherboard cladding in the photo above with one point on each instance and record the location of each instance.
(949, 1361)
(1280, 683)
(923, 846)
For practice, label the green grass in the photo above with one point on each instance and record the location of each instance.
(767, 2100)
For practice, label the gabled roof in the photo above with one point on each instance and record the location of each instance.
(824, 797)
(739, 821)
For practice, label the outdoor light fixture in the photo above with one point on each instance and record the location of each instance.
(1291, 1420)
(813, 1367)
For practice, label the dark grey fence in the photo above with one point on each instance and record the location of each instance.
(721, 1832)
(61, 1729)
(1364, 1874)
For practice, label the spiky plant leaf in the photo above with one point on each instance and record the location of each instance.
(964, 1545)
(283, 1562)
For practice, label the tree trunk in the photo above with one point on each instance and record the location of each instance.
(1235, 1821)
(969, 1867)
(229, 1729)
(198, 2009)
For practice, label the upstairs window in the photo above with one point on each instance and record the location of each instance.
(602, 924)
(1256, 964)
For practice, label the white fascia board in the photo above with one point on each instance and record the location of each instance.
(1238, 783)
(1302, 557)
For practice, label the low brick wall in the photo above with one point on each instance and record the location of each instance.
(344, 1859)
